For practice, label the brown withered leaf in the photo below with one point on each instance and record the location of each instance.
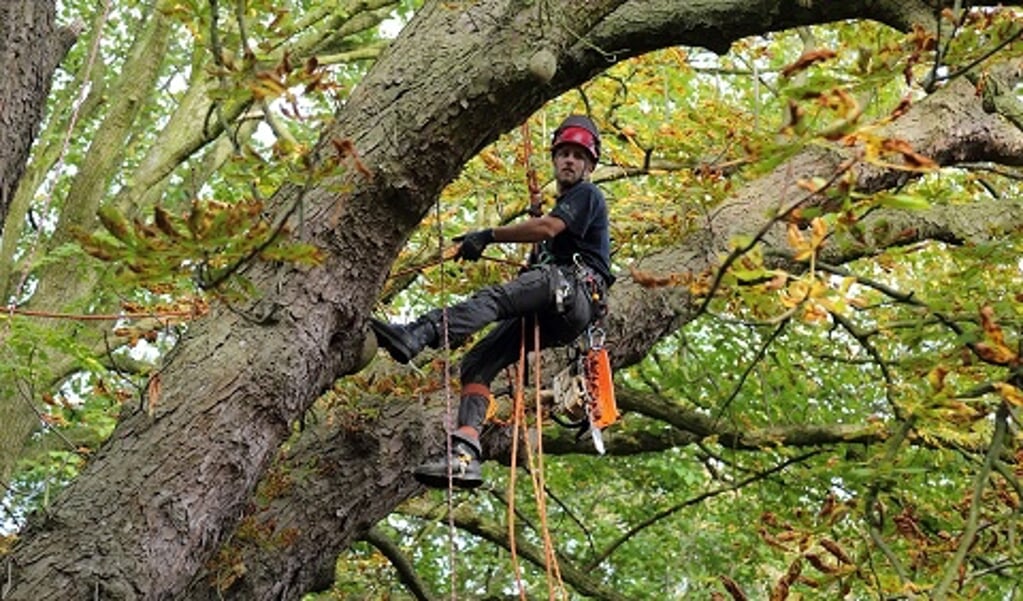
(806, 59)
(647, 279)
(817, 562)
(913, 159)
(836, 550)
(992, 330)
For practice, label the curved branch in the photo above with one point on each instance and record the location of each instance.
(979, 484)
(660, 515)
(406, 572)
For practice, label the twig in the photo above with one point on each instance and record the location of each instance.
(977, 61)
(749, 369)
(980, 482)
(864, 341)
(874, 523)
(693, 501)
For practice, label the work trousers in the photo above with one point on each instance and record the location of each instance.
(557, 296)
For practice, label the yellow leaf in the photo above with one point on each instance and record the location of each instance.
(491, 160)
(814, 313)
(1011, 394)
(818, 230)
(796, 239)
(936, 377)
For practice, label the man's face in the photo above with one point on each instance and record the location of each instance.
(571, 165)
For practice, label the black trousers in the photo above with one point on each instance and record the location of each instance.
(555, 295)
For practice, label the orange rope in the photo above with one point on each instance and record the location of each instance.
(539, 484)
(532, 181)
(518, 414)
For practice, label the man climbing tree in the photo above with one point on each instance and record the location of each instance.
(562, 292)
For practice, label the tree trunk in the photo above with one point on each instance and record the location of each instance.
(158, 500)
(30, 49)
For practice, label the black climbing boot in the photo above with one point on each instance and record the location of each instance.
(405, 342)
(463, 464)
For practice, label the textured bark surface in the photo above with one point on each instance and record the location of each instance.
(162, 495)
(30, 49)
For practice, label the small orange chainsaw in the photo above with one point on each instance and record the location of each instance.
(585, 392)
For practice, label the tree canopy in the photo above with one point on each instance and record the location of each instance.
(815, 328)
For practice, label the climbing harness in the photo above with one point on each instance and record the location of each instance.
(584, 390)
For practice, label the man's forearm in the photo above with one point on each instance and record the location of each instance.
(530, 230)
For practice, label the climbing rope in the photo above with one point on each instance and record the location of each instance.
(534, 460)
(539, 484)
(446, 345)
(518, 415)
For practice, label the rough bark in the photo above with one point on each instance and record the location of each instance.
(31, 47)
(161, 496)
(950, 126)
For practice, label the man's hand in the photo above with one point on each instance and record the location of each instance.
(473, 243)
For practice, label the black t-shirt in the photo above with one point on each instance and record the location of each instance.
(587, 233)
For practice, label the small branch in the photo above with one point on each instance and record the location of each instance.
(406, 572)
(995, 169)
(660, 515)
(977, 61)
(875, 522)
(864, 341)
(980, 482)
(749, 368)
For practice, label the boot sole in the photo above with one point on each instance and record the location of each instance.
(441, 482)
(391, 341)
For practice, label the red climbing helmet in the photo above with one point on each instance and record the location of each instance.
(578, 129)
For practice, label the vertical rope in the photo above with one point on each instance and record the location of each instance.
(539, 484)
(518, 413)
(448, 422)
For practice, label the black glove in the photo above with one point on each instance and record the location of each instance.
(473, 243)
